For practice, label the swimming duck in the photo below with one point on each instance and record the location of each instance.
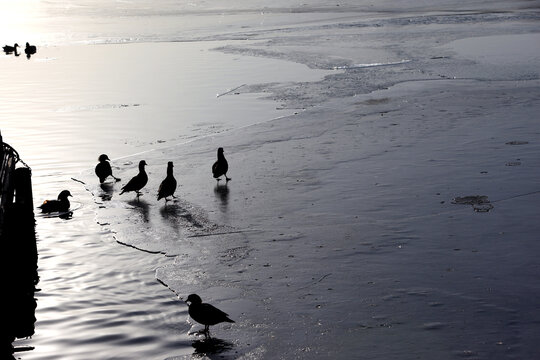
(62, 204)
(221, 166)
(103, 168)
(30, 49)
(167, 186)
(138, 181)
(9, 49)
(205, 314)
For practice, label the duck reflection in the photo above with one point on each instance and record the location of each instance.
(107, 191)
(222, 193)
(66, 216)
(211, 346)
(171, 213)
(142, 206)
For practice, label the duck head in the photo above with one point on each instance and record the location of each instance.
(64, 195)
(194, 299)
(103, 158)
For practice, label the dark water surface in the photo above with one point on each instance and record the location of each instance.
(99, 299)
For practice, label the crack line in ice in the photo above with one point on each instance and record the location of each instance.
(230, 91)
(315, 282)
(516, 196)
(138, 248)
(221, 233)
(361, 66)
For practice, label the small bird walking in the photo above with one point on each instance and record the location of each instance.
(168, 185)
(205, 314)
(137, 182)
(221, 166)
(61, 204)
(103, 169)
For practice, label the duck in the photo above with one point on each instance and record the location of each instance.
(221, 166)
(30, 49)
(9, 49)
(205, 314)
(168, 185)
(61, 204)
(137, 182)
(103, 168)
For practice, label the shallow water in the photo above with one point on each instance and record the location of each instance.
(81, 101)
(99, 299)
(65, 106)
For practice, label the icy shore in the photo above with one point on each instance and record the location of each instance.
(341, 233)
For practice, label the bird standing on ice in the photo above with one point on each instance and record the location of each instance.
(61, 204)
(138, 181)
(221, 166)
(167, 186)
(103, 169)
(205, 314)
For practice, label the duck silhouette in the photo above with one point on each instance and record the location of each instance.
(137, 182)
(9, 49)
(29, 50)
(205, 314)
(221, 166)
(61, 204)
(103, 168)
(168, 185)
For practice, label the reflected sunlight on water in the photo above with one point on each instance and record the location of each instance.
(62, 108)
(100, 298)
(69, 103)
(123, 99)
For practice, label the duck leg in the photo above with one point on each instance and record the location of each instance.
(207, 332)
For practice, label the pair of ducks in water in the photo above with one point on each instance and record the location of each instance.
(203, 313)
(28, 50)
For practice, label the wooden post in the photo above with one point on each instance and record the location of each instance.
(1, 146)
(23, 189)
(18, 258)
